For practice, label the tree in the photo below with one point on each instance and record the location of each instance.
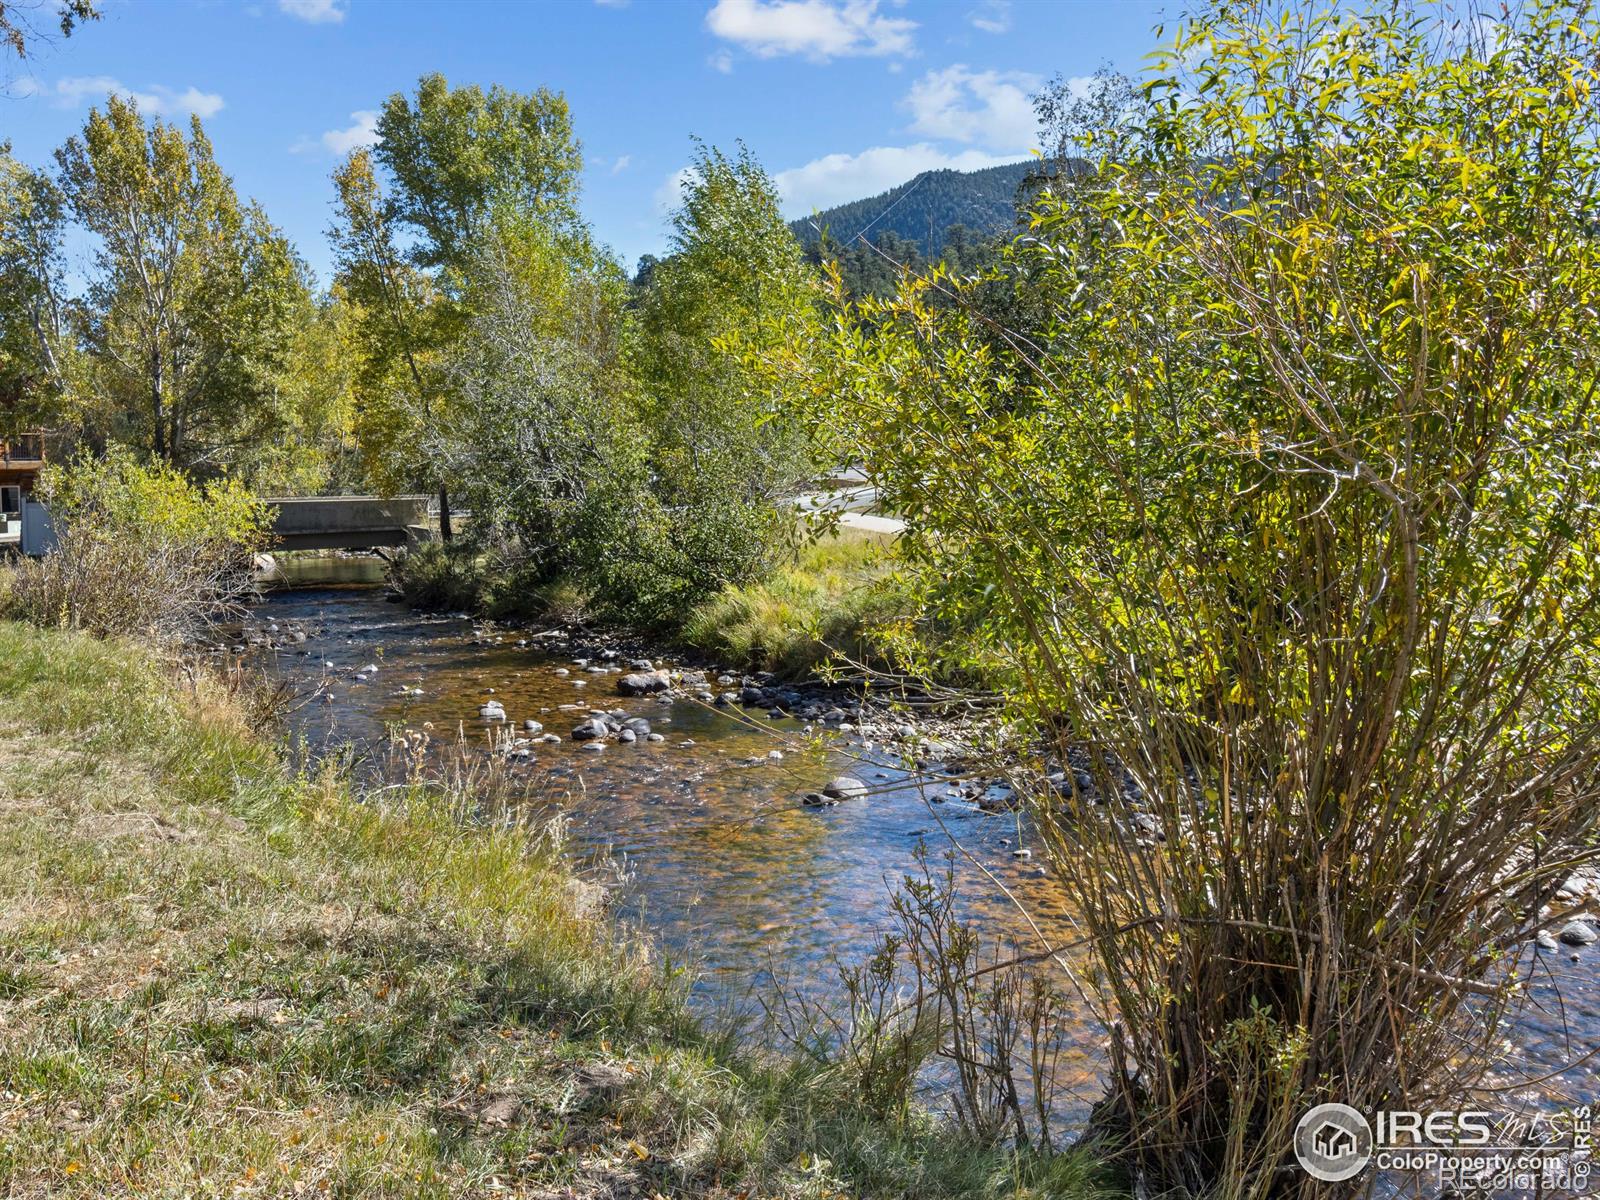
(1287, 523)
(190, 315)
(726, 449)
(401, 322)
(544, 439)
(35, 341)
(17, 28)
(452, 158)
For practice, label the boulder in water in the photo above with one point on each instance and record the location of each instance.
(643, 683)
(845, 787)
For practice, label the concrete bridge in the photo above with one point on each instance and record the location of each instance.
(351, 522)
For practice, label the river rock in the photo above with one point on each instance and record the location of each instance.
(1579, 933)
(627, 735)
(493, 711)
(845, 787)
(817, 800)
(644, 683)
(641, 664)
(638, 725)
(532, 726)
(588, 731)
(655, 737)
(1546, 940)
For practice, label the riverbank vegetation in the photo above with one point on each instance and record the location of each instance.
(1287, 515)
(141, 551)
(219, 975)
(1258, 467)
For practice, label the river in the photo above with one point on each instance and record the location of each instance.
(722, 864)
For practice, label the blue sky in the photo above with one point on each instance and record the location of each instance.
(839, 99)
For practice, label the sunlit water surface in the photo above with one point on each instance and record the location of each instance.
(723, 865)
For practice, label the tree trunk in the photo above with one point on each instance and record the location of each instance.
(444, 513)
(158, 411)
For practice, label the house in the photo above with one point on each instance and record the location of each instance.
(24, 523)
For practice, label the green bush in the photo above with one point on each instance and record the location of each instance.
(440, 575)
(1287, 517)
(140, 550)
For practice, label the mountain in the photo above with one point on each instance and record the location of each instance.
(922, 209)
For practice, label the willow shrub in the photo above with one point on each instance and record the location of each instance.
(140, 550)
(1287, 515)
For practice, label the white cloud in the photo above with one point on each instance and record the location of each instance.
(317, 12)
(721, 61)
(817, 29)
(670, 194)
(990, 108)
(157, 100)
(837, 178)
(991, 16)
(621, 165)
(362, 132)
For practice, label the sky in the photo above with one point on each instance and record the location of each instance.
(838, 99)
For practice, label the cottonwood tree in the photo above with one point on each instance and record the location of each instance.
(194, 300)
(413, 212)
(1287, 523)
(545, 439)
(727, 451)
(36, 346)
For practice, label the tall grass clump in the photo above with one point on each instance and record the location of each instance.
(835, 600)
(1287, 512)
(140, 551)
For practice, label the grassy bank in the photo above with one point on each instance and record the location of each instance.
(219, 978)
(834, 597)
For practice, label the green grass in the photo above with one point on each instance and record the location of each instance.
(220, 978)
(834, 600)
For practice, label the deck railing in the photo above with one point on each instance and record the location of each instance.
(22, 449)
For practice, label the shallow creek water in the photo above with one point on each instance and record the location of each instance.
(723, 865)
